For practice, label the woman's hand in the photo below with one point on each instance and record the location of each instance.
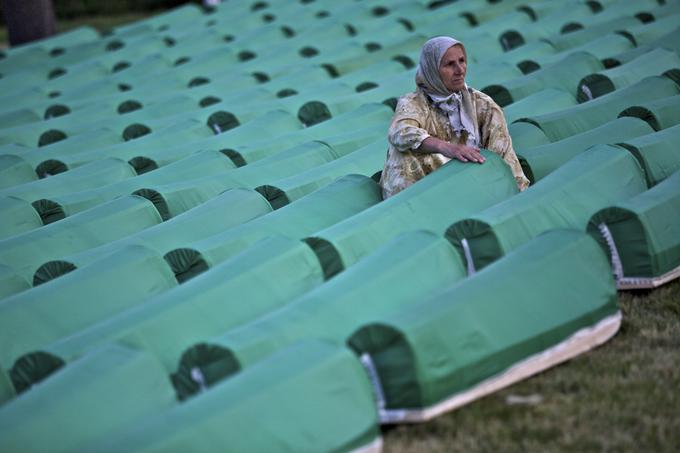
(462, 153)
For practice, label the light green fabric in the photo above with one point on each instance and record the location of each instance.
(11, 282)
(586, 116)
(18, 216)
(657, 153)
(333, 311)
(202, 163)
(263, 278)
(540, 161)
(564, 199)
(487, 323)
(320, 209)
(65, 411)
(312, 396)
(660, 113)
(655, 62)
(544, 101)
(118, 281)
(564, 74)
(426, 204)
(26, 252)
(645, 229)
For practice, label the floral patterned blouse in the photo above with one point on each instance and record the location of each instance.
(415, 119)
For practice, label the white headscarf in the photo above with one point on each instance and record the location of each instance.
(458, 106)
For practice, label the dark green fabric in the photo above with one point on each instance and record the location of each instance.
(295, 399)
(487, 323)
(119, 218)
(660, 113)
(426, 204)
(130, 384)
(564, 199)
(333, 311)
(657, 153)
(539, 161)
(586, 116)
(263, 278)
(645, 229)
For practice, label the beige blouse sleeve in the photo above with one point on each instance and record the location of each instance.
(406, 132)
(496, 138)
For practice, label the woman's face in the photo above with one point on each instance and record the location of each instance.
(453, 68)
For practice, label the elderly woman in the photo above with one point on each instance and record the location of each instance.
(444, 119)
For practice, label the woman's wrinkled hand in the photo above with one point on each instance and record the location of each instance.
(462, 153)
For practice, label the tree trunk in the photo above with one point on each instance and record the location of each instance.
(28, 20)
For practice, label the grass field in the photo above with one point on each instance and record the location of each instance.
(101, 23)
(621, 397)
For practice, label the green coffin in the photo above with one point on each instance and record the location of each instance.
(657, 153)
(642, 234)
(109, 389)
(427, 204)
(488, 331)
(313, 396)
(334, 310)
(564, 199)
(540, 161)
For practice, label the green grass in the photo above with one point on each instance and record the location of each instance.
(622, 396)
(101, 23)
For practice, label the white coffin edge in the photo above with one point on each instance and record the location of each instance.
(373, 447)
(581, 341)
(647, 282)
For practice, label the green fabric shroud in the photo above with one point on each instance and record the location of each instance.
(564, 199)
(426, 204)
(231, 208)
(545, 101)
(119, 218)
(67, 411)
(32, 319)
(11, 282)
(312, 396)
(18, 216)
(334, 310)
(657, 153)
(95, 174)
(661, 113)
(564, 74)
(65, 304)
(202, 163)
(586, 116)
(7, 391)
(14, 170)
(655, 62)
(478, 328)
(540, 161)
(181, 196)
(645, 229)
(331, 204)
(261, 279)
(367, 160)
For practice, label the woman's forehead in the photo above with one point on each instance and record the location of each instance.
(453, 53)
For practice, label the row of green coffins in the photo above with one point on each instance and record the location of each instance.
(400, 341)
(547, 205)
